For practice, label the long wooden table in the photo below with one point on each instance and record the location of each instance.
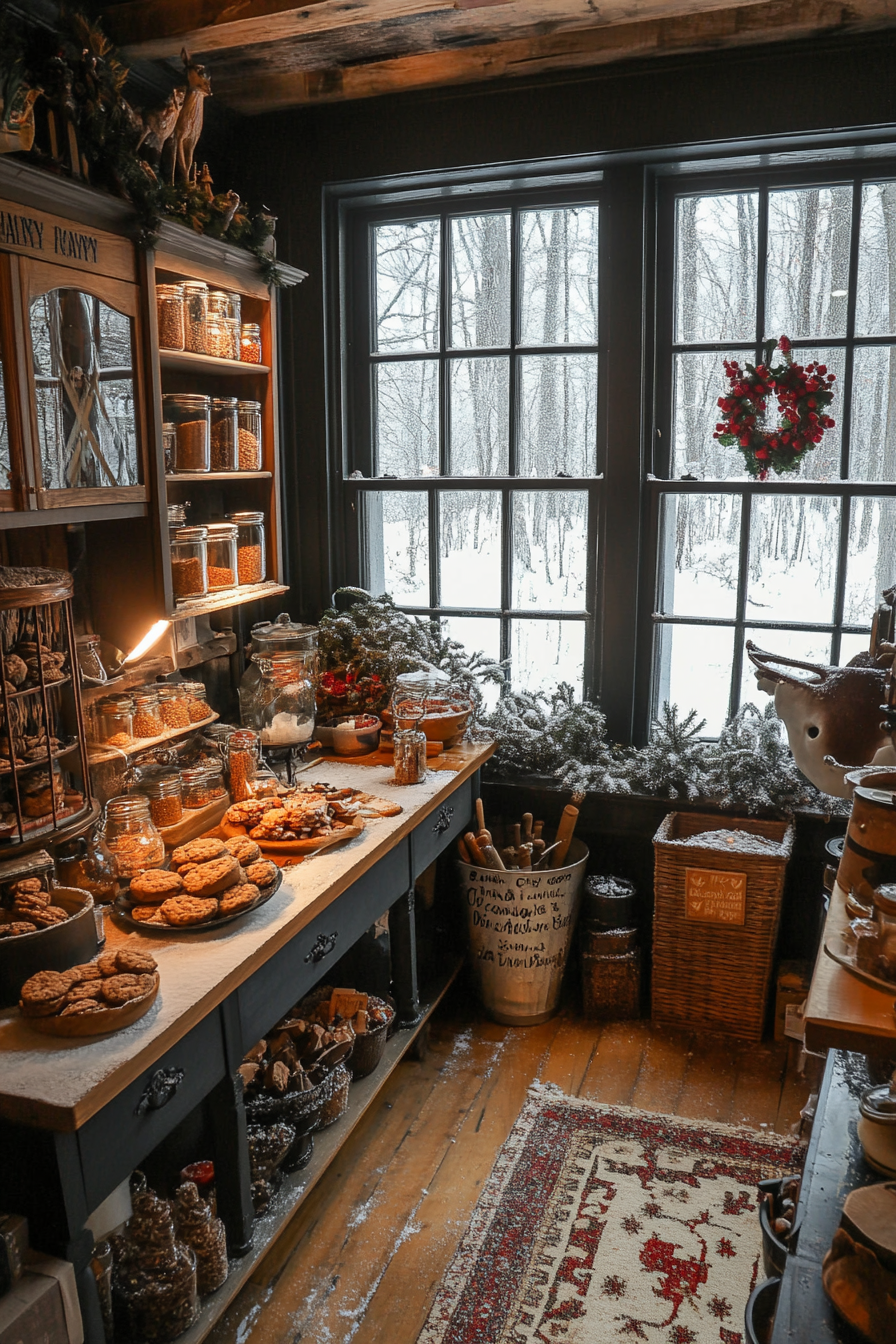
(77, 1117)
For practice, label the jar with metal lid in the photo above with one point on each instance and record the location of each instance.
(221, 550)
(196, 700)
(224, 434)
(173, 707)
(214, 773)
(169, 446)
(250, 557)
(195, 316)
(116, 720)
(89, 661)
(166, 801)
(189, 561)
(218, 338)
(249, 418)
(131, 835)
(147, 719)
(250, 343)
(243, 760)
(194, 781)
(191, 416)
(269, 637)
(283, 707)
(170, 314)
(410, 756)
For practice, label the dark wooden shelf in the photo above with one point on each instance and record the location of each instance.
(219, 476)
(186, 361)
(233, 597)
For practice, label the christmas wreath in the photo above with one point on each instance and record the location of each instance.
(802, 394)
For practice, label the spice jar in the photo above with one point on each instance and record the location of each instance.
(410, 756)
(204, 1234)
(166, 801)
(221, 551)
(214, 778)
(154, 1288)
(249, 417)
(116, 720)
(243, 760)
(190, 415)
(223, 434)
(250, 343)
(217, 339)
(189, 577)
(87, 863)
(196, 699)
(195, 316)
(194, 783)
(173, 707)
(170, 313)
(147, 720)
(169, 445)
(130, 834)
(250, 558)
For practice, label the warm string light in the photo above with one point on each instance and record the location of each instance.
(152, 636)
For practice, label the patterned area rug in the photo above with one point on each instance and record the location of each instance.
(600, 1223)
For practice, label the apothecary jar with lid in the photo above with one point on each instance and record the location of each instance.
(129, 832)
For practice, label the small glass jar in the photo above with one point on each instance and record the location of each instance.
(196, 700)
(166, 801)
(217, 337)
(195, 316)
(214, 771)
(89, 661)
(250, 557)
(170, 313)
(116, 719)
(234, 312)
(147, 720)
(173, 707)
(131, 835)
(410, 756)
(88, 864)
(190, 414)
(177, 517)
(243, 760)
(204, 1234)
(224, 434)
(169, 445)
(250, 343)
(194, 782)
(154, 1288)
(189, 562)
(221, 550)
(249, 454)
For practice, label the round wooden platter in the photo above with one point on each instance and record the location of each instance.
(296, 848)
(122, 907)
(96, 1024)
(840, 949)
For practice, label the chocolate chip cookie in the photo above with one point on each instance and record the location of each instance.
(43, 994)
(121, 989)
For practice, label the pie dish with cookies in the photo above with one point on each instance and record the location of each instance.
(209, 883)
(93, 998)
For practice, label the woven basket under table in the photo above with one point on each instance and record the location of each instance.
(713, 975)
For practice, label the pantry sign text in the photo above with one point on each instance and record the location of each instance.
(36, 234)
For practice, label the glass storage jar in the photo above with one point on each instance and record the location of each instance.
(283, 707)
(250, 557)
(173, 707)
(410, 756)
(169, 445)
(204, 1234)
(249, 453)
(195, 316)
(217, 339)
(147, 719)
(189, 562)
(194, 781)
(221, 550)
(190, 413)
(177, 517)
(234, 312)
(166, 801)
(223, 434)
(116, 720)
(243, 760)
(196, 700)
(170, 314)
(131, 835)
(89, 661)
(250, 343)
(267, 638)
(214, 772)
(89, 864)
(154, 1282)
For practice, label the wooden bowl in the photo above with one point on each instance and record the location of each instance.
(96, 1024)
(53, 949)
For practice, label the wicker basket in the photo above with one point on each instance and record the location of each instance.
(707, 972)
(370, 1047)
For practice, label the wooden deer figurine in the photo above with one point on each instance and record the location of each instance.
(159, 124)
(181, 146)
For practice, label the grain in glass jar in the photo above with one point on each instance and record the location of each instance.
(221, 550)
(196, 700)
(116, 720)
(217, 337)
(166, 803)
(250, 557)
(214, 771)
(169, 446)
(147, 720)
(224, 434)
(243, 760)
(250, 343)
(194, 782)
(249, 422)
(170, 313)
(195, 316)
(190, 414)
(410, 756)
(189, 576)
(131, 835)
(154, 1283)
(173, 707)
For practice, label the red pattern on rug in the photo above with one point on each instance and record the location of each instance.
(602, 1223)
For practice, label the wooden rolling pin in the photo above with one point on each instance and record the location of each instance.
(564, 835)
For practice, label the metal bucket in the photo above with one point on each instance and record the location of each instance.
(521, 927)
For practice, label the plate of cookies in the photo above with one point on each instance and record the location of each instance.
(209, 883)
(94, 998)
(302, 822)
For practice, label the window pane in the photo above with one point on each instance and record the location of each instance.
(396, 534)
(470, 541)
(480, 281)
(850, 645)
(482, 633)
(872, 451)
(407, 418)
(698, 380)
(715, 267)
(808, 261)
(699, 549)
(794, 541)
(480, 416)
(558, 415)
(694, 672)
(558, 276)
(550, 550)
(823, 462)
(406, 284)
(871, 566)
(876, 280)
(808, 645)
(544, 653)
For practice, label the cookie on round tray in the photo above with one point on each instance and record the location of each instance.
(183, 911)
(197, 851)
(262, 872)
(238, 899)
(155, 886)
(243, 849)
(118, 981)
(210, 878)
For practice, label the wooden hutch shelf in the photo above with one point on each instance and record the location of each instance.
(190, 363)
(175, 476)
(236, 597)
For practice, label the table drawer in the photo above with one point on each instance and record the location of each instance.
(306, 958)
(116, 1140)
(449, 820)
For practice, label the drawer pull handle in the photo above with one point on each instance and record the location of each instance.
(443, 820)
(324, 943)
(159, 1090)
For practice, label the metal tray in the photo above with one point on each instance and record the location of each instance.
(122, 907)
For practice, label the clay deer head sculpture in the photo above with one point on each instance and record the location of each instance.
(181, 146)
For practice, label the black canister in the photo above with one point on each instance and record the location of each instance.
(609, 903)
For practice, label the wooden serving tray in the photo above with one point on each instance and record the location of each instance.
(96, 1024)
(295, 848)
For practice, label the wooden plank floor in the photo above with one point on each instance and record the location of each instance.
(363, 1256)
